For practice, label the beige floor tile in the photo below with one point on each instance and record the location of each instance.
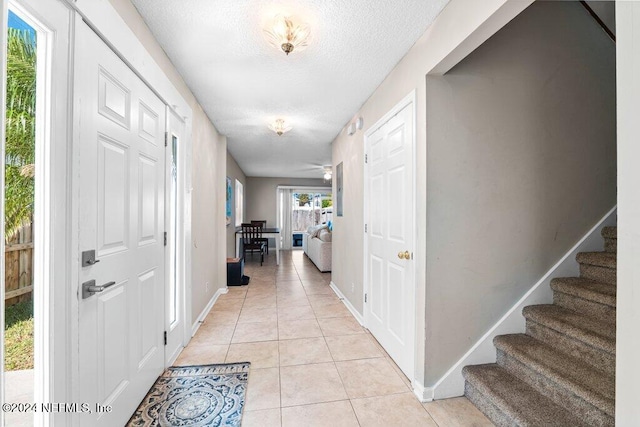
(290, 290)
(293, 313)
(332, 414)
(260, 302)
(260, 354)
(370, 377)
(331, 310)
(335, 326)
(222, 317)
(261, 291)
(236, 292)
(456, 412)
(228, 303)
(393, 410)
(351, 347)
(263, 389)
(262, 418)
(396, 368)
(304, 351)
(293, 301)
(318, 300)
(253, 332)
(305, 384)
(255, 315)
(212, 333)
(318, 289)
(307, 328)
(259, 281)
(292, 277)
(315, 281)
(203, 355)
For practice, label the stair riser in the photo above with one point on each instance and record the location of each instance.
(589, 413)
(611, 245)
(597, 273)
(595, 357)
(485, 405)
(603, 312)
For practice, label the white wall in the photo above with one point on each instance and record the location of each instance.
(521, 161)
(208, 176)
(628, 317)
(260, 195)
(234, 172)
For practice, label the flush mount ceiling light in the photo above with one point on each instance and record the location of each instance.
(284, 33)
(280, 127)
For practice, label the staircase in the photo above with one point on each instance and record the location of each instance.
(562, 371)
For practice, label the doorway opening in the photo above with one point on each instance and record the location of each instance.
(22, 213)
(300, 208)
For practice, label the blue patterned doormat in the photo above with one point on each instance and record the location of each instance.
(195, 396)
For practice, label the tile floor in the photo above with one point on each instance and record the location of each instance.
(312, 364)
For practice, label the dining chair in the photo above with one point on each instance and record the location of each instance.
(250, 243)
(262, 223)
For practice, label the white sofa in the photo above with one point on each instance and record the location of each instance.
(316, 243)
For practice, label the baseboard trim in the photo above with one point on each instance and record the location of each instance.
(207, 309)
(424, 394)
(347, 303)
(483, 351)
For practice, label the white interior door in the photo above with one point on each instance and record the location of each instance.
(389, 299)
(175, 282)
(119, 124)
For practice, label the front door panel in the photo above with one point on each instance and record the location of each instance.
(120, 129)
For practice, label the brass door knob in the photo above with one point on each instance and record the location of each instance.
(404, 255)
(401, 255)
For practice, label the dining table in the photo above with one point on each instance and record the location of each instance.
(266, 232)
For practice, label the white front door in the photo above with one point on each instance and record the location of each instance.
(389, 218)
(174, 300)
(119, 125)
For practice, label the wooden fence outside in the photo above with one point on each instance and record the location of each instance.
(18, 262)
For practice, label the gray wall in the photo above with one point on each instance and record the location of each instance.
(234, 172)
(260, 195)
(521, 162)
(606, 11)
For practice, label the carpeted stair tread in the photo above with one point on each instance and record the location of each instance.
(600, 259)
(598, 334)
(520, 403)
(602, 293)
(610, 232)
(568, 372)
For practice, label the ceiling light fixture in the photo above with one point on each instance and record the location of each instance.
(327, 173)
(280, 127)
(283, 33)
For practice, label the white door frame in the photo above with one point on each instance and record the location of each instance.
(3, 79)
(409, 100)
(52, 22)
(184, 261)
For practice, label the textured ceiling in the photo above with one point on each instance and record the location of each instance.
(243, 83)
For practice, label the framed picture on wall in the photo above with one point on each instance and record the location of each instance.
(339, 189)
(229, 198)
(239, 204)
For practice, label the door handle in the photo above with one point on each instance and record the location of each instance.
(89, 288)
(404, 255)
